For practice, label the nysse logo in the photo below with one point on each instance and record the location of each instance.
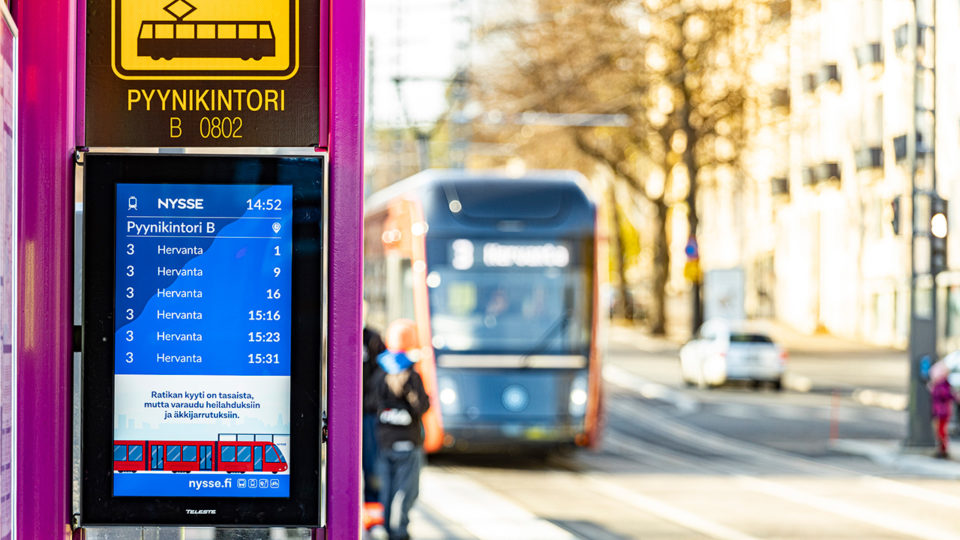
(180, 204)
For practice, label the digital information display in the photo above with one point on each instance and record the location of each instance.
(202, 355)
(203, 335)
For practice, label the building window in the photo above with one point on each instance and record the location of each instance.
(953, 311)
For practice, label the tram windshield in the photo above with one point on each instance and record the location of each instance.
(524, 311)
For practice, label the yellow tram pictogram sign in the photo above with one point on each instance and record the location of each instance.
(205, 39)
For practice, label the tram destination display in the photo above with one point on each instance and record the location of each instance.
(202, 355)
(202, 339)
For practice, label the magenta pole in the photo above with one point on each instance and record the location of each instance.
(346, 253)
(47, 113)
(47, 137)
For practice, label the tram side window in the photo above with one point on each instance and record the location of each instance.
(163, 31)
(406, 293)
(135, 453)
(228, 453)
(243, 453)
(247, 31)
(173, 452)
(375, 272)
(227, 31)
(189, 453)
(119, 452)
(272, 456)
(206, 31)
(186, 31)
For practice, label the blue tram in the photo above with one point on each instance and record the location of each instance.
(501, 276)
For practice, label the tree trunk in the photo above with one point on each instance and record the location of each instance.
(693, 217)
(623, 305)
(661, 271)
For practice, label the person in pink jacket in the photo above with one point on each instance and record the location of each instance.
(942, 399)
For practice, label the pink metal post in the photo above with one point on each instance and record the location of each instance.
(346, 253)
(47, 112)
(49, 97)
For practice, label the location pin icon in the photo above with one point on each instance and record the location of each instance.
(276, 228)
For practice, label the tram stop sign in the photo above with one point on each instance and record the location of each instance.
(187, 73)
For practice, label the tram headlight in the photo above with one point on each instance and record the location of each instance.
(578, 396)
(449, 399)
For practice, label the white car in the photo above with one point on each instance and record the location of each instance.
(723, 351)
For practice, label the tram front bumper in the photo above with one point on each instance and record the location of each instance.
(474, 436)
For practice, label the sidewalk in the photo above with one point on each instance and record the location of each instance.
(796, 340)
(892, 454)
(454, 507)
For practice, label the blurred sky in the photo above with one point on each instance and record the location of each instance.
(420, 41)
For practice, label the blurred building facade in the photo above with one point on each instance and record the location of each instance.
(809, 218)
(816, 233)
(738, 213)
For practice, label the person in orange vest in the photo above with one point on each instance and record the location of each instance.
(401, 402)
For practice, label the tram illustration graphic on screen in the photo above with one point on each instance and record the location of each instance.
(204, 39)
(188, 456)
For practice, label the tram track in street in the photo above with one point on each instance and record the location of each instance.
(649, 455)
(639, 446)
(729, 463)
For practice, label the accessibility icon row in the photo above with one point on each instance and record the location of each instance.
(258, 483)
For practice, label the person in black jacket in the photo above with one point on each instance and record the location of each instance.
(401, 402)
(372, 348)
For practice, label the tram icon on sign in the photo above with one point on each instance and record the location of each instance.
(205, 39)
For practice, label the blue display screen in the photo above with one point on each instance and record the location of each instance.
(202, 349)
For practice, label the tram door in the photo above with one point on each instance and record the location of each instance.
(156, 458)
(258, 458)
(206, 458)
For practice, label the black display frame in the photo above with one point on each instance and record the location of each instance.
(309, 178)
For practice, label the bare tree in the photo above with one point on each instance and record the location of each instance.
(676, 69)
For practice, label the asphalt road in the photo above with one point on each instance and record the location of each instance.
(816, 461)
